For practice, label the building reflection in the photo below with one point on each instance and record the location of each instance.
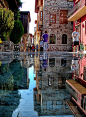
(26, 63)
(77, 85)
(50, 92)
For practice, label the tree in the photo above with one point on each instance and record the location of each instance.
(17, 32)
(6, 23)
(14, 5)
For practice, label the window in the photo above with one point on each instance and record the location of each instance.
(52, 39)
(53, 18)
(63, 16)
(63, 62)
(59, 104)
(66, 106)
(64, 39)
(41, 15)
(50, 81)
(49, 105)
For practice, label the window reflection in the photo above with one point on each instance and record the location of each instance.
(63, 62)
(51, 62)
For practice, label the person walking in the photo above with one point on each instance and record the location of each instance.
(45, 41)
(33, 47)
(75, 36)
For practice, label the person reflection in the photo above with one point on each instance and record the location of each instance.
(45, 60)
(75, 65)
(75, 62)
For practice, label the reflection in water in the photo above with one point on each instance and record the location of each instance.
(77, 85)
(26, 106)
(9, 96)
(33, 85)
(50, 93)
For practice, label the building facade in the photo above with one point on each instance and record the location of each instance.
(78, 15)
(25, 19)
(52, 16)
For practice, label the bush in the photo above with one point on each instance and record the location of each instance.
(6, 23)
(17, 32)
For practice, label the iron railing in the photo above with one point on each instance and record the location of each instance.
(78, 6)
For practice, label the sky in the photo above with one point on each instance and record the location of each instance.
(29, 5)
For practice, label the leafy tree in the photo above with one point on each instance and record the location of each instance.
(6, 23)
(17, 32)
(14, 5)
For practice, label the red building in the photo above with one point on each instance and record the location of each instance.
(78, 15)
(77, 85)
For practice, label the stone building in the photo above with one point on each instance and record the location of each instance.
(52, 16)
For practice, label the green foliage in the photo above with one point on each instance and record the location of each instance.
(6, 23)
(14, 6)
(17, 32)
(17, 15)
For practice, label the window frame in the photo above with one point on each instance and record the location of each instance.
(51, 36)
(41, 16)
(63, 17)
(51, 19)
(65, 39)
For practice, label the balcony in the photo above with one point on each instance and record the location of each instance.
(77, 11)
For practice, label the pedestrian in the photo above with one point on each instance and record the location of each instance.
(75, 36)
(45, 60)
(33, 47)
(45, 41)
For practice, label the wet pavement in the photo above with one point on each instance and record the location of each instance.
(42, 84)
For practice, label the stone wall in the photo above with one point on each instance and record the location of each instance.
(6, 46)
(54, 7)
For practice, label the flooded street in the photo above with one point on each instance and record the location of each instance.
(42, 84)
